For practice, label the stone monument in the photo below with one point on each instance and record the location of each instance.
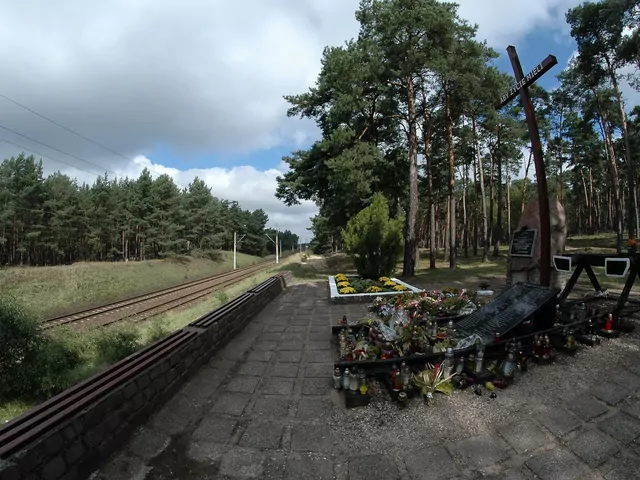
(524, 252)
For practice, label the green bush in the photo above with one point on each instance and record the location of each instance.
(117, 342)
(373, 240)
(32, 364)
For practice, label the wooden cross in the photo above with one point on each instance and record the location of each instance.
(522, 88)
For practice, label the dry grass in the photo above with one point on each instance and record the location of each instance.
(48, 291)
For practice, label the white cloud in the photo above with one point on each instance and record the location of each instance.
(198, 76)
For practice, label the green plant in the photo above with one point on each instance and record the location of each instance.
(115, 343)
(32, 364)
(374, 240)
(222, 297)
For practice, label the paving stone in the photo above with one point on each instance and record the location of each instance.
(291, 346)
(317, 386)
(624, 469)
(557, 464)
(260, 356)
(524, 436)
(271, 337)
(312, 408)
(481, 451)
(289, 356)
(610, 393)
(206, 452)
(289, 370)
(593, 447)
(296, 329)
(318, 345)
(627, 379)
(122, 467)
(215, 429)
(261, 434)
(309, 467)
(434, 460)
(513, 474)
(280, 320)
(273, 328)
(319, 370)
(243, 384)
(621, 427)
(632, 407)
(252, 368)
(373, 467)
(231, 403)
(276, 386)
(275, 465)
(586, 407)
(243, 462)
(299, 321)
(558, 421)
(177, 414)
(307, 438)
(319, 356)
(148, 443)
(273, 407)
(265, 346)
(319, 330)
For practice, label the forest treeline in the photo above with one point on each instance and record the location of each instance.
(55, 220)
(407, 109)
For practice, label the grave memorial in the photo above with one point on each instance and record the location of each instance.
(521, 88)
(525, 259)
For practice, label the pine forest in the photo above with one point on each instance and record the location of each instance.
(54, 220)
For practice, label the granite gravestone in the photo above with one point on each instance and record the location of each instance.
(524, 250)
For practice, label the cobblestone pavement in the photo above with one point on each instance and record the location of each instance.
(264, 408)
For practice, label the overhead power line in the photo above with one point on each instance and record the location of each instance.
(58, 150)
(70, 130)
(47, 156)
(65, 128)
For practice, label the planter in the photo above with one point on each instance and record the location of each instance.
(336, 297)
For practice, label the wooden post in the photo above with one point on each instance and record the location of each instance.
(522, 88)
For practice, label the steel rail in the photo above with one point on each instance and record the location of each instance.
(90, 313)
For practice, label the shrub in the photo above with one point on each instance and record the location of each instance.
(32, 364)
(373, 240)
(115, 343)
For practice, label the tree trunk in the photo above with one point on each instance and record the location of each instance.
(483, 197)
(499, 230)
(465, 220)
(632, 199)
(426, 133)
(410, 245)
(452, 173)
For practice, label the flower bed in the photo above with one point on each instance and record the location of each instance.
(353, 289)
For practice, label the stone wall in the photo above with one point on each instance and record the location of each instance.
(73, 440)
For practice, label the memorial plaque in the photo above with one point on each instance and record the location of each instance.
(507, 311)
(523, 243)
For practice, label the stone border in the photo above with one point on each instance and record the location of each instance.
(336, 297)
(74, 446)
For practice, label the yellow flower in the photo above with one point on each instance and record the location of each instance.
(343, 284)
(373, 289)
(399, 288)
(345, 290)
(341, 278)
(390, 283)
(384, 279)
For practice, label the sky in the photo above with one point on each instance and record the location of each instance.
(195, 88)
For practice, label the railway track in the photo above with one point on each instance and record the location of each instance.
(142, 307)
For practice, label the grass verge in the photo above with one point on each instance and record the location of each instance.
(50, 291)
(74, 357)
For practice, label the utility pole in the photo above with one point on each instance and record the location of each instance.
(275, 242)
(235, 243)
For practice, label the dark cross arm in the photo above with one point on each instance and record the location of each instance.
(540, 69)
